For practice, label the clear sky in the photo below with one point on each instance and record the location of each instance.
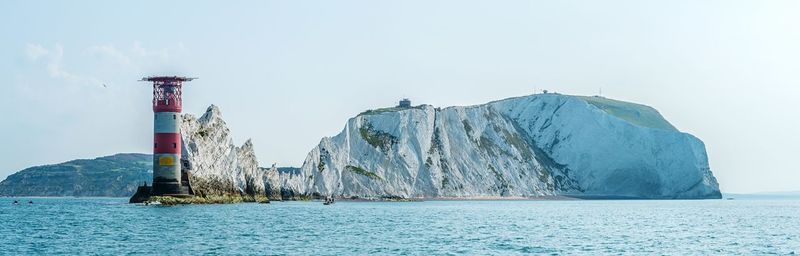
(287, 73)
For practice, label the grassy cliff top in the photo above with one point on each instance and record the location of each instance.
(389, 109)
(634, 113)
(637, 114)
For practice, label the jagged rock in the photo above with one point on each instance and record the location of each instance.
(218, 166)
(272, 180)
(539, 145)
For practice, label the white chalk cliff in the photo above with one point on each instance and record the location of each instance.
(216, 165)
(538, 145)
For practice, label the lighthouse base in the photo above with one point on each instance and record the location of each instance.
(161, 188)
(182, 190)
(142, 194)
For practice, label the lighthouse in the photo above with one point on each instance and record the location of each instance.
(167, 135)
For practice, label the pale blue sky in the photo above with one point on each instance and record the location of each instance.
(287, 73)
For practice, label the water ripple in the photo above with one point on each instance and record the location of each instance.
(110, 226)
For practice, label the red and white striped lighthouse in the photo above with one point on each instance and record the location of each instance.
(167, 135)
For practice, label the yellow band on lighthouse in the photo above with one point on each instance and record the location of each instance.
(166, 161)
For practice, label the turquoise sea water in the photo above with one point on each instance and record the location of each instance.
(113, 227)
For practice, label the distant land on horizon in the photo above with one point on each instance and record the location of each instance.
(764, 195)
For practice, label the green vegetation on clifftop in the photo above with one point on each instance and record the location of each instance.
(637, 114)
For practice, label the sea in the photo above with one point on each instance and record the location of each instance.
(111, 226)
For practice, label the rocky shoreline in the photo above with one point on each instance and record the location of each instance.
(171, 200)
